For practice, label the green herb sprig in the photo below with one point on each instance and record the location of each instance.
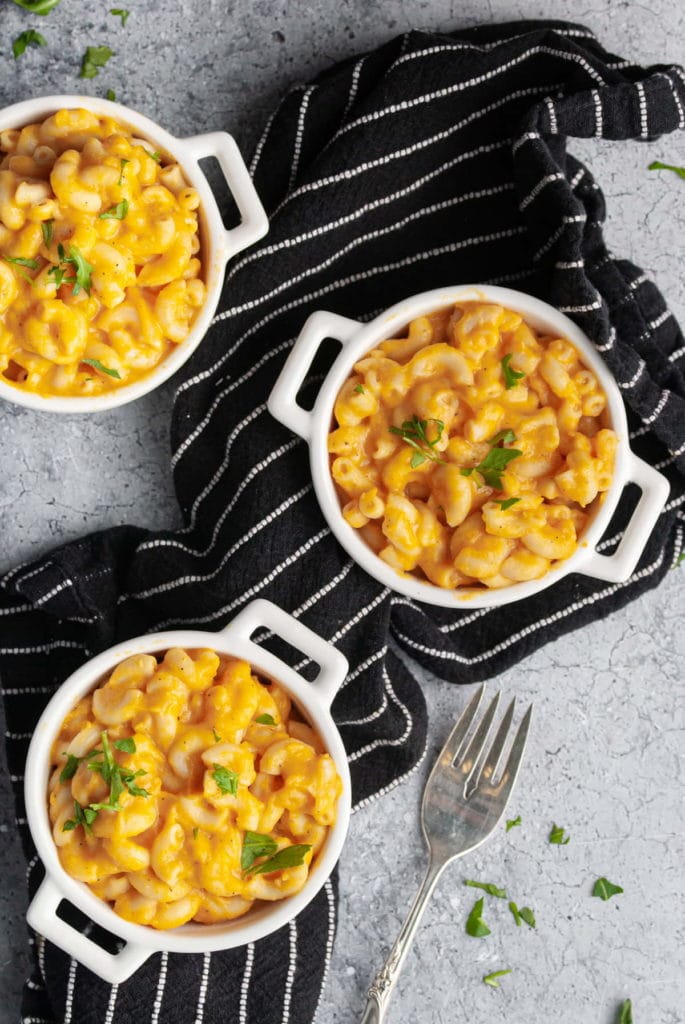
(256, 845)
(119, 12)
(511, 377)
(475, 925)
(513, 822)
(28, 38)
(226, 780)
(116, 212)
(496, 461)
(93, 59)
(491, 979)
(413, 433)
(488, 887)
(656, 165)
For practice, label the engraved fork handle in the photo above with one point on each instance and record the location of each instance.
(384, 982)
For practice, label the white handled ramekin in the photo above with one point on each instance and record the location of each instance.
(218, 244)
(312, 698)
(357, 339)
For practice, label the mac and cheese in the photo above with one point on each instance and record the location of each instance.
(100, 271)
(184, 788)
(473, 451)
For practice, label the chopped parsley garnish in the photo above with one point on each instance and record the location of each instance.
(475, 925)
(505, 503)
(155, 155)
(97, 365)
(195, 832)
(127, 745)
(557, 837)
(121, 173)
(496, 461)
(112, 97)
(80, 264)
(60, 276)
(70, 767)
(625, 1012)
(513, 822)
(605, 889)
(656, 165)
(226, 780)
(288, 857)
(511, 377)
(117, 212)
(524, 914)
(42, 7)
(491, 979)
(119, 12)
(215, 734)
(20, 261)
(256, 845)
(94, 58)
(116, 777)
(28, 38)
(265, 719)
(47, 227)
(359, 389)
(488, 887)
(82, 816)
(413, 433)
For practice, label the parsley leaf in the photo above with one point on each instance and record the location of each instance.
(557, 837)
(47, 227)
(256, 845)
(413, 433)
(504, 437)
(127, 745)
(82, 816)
(359, 389)
(28, 38)
(511, 377)
(625, 1012)
(656, 165)
(117, 212)
(513, 822)
(265, 720)
(70, 767)
(42, 7)
(112, 97)
(488, 887)
(505, 503)
(119, 12)
(528, 916)
(59, 275)
(94, 58)
(81, 265)
(491, 979)
(496, 461)
(121, 173)
(288, 857)
(217, 738)
(226, 780)
(515, 911)
(475, 925)
(19, 261)
(195, 832)
(605, 889)
(103, 369)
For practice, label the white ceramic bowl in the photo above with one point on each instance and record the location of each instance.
(357, 339)
(218, 244)
(314, 700)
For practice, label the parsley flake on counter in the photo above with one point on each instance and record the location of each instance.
(117, 212)
(496, 461)
(511, 377)
(42, 7)
(97, 365)
(120, 12)
(604, 889)
(28, 38)
(256, 845)
(265, 719)
(112, 97)
(413, 433)
(557, 837)
(513, 822)
(656, 165)
(488, 887)
(625, 1012)
(226, 780)
(93, 59)
(524, 914)
(475, 925)
(47, 227)
(491, 979)
(288, 857)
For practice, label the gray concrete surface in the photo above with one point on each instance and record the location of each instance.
(603, 757)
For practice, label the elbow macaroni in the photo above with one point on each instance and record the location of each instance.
(81, 182)
(475, 378)
(174, 855)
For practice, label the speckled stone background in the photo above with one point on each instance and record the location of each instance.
(603, 758)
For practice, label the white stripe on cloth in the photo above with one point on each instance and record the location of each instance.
(586, 308)
(202, 994)
(642, 99)
(292, 969)
(674, 356)
(245, 983)
(391, 785)
(578, 218)
(354, 621)
(354, 85)
(672, 457)
(599, 120)
(299, 135)
(161, 983)
(627, 384)
(52, 593)
(330, 935)
(41, 954)
(370, 717)
(18, 735)
(69, 999)
(644, 429)
(381, 742)
(111, 1005)
(537, 189)
(553, 126)
(482, 47)
(534, 626)
(376, 656)
(609, 344)
(312, 599)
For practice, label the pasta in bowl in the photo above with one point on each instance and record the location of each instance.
(195, 792)
(469, 445)
(112, 250)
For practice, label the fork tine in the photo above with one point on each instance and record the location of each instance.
(456, 737)
(469, 762)
(495, 752)
(513, 764)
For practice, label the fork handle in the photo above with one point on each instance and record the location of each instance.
(384, 982)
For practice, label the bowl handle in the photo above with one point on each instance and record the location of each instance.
(655, 489)
(254, 223)
(282, 402)
(263, 614)
(111, 967)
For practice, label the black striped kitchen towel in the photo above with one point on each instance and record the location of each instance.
(435, 160)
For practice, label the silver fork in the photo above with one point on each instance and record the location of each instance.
(461, 806)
